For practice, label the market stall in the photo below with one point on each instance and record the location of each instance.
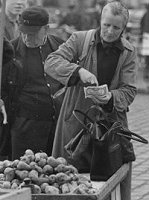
(109, 190)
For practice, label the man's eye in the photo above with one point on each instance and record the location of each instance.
(106, 25)
(116, 28)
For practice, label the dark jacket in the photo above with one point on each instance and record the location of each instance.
(7, 65)
(20, 51)
(13, 80)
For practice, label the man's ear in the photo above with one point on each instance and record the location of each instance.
(47, 27)
(123, 30)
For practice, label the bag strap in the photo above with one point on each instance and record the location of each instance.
(83, 54)
(81, 122)
(131, 135)
(121, 131)
(101, 113)
(84, 114)
(125, 132)
(84, 123)
(86, 43)
(135, 137)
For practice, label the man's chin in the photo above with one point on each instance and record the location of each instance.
(29, 45)
(108, 40)
(17, 11)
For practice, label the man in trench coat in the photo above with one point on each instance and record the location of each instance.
(111, 60)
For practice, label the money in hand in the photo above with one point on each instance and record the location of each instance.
(92, 91)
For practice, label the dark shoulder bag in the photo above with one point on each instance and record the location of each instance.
(101, 147)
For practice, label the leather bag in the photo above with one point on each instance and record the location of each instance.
(101, 147)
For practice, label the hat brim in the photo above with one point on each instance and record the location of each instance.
(29, 29)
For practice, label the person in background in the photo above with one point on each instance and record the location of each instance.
(144, 27)
(7, 63)
(110, 60)
(77, 17)
(32, 3)
(34, 109)
(73, 16)
(13, 9)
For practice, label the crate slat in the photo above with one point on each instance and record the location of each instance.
(22, 194)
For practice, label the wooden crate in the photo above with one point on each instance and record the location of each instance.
(109, 190)
(22, 194)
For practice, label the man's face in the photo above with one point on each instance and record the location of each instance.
(15, 7)
(111, 26)
(35, 39)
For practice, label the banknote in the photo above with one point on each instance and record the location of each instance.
(90, 91)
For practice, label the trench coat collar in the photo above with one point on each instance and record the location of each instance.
(125, 42)
(117, 44)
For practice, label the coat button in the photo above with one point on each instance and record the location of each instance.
(10, 82)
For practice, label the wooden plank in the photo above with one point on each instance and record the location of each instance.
(118, 192)
(111, 184)
(4, 191)
(113, 195)
(64, 197)
(23, 194)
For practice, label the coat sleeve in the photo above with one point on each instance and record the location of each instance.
(55, 42)
(62, 63)
(126, 91)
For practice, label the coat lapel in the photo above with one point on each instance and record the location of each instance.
(8, 29)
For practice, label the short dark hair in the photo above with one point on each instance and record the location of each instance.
(118, 8)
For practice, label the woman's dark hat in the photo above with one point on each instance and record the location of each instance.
(32, 19)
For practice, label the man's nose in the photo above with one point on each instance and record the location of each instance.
(28, 36)
(110, 29)
(20, 2)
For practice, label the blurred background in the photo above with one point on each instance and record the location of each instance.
(67, 16)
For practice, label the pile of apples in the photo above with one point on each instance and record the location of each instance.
(44, 174)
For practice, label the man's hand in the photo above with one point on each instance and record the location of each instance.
(87, 77)
(102, 99)
(3, 110)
